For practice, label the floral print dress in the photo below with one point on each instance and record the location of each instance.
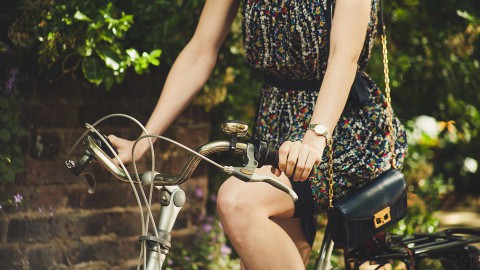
(287, 39)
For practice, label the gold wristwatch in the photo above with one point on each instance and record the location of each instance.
(321, 130)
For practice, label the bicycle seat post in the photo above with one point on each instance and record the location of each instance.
(323, 258)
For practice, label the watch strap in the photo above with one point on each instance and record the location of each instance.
(326, 134)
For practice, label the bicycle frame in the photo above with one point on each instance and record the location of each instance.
(412, 249)
(450, 245)
(440, 245)
(322, 262)
(172, 197)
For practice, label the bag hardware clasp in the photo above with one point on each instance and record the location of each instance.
(382, 217)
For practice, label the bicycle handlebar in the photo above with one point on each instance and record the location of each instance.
(259, 153)
(160, 178)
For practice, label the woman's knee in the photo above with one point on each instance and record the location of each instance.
(234, 200)
(239, 200)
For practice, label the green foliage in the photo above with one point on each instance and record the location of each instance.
(10, 134)
(434, 51)
(427, 187)
(103, 36)
(90, 34)
(11, 130)
(10, 201)
(209, 250)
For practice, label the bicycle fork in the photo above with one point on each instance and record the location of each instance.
(172, 199)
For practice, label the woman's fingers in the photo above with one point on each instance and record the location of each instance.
(124, 148)
(296, 159)
(283, 155)
(276, 171)
(115, 144)
(311, 161)
(293, 157)
(112, 138)
(301, 163)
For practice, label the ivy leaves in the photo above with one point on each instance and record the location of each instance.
(10, 133)
(96, 34)
(105, 59)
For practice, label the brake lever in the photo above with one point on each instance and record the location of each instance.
(247, 174)
(281, 186)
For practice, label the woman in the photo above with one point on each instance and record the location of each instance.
(286, 39)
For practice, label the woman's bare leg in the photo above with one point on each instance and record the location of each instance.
(292, 227)
(246, 210)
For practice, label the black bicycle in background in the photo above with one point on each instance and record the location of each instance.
(452, 247)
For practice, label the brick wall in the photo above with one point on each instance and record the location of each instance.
(61, 226)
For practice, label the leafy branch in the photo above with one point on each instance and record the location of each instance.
(100, 42)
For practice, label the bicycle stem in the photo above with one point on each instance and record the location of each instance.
(172, 199)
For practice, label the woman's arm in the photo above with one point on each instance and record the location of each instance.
(349, 27)
(188, 74)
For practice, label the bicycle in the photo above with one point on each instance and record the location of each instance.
(451, 246)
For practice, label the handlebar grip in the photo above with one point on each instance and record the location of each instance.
(272, 157)
(265, 154)
(77, 167)
(102, 145)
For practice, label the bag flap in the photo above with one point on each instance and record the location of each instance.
(373, 197)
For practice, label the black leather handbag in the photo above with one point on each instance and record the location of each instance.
(380, 203)
(369, 211)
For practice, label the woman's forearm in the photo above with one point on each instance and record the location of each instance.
(193, 66)
(334, 92)
(347, 37)
(188, 75)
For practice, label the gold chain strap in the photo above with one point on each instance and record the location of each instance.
(330, 171)
(389, 120)
(389, 100)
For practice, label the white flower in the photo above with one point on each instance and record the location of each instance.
(470, 165)
(427, 125)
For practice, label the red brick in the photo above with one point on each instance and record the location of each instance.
(44, 145)
(50, 113)
(44, 257)
(100, 250)
(13, 257)
(44, 198)
(41, 172)
(106, 195)
(65, 226)
(35, 230)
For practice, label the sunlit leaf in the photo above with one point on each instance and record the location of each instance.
(109, 62)
(108, 80)
(133, 54)
(91, 68)
(81, 17)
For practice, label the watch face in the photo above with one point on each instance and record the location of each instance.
(320, 130)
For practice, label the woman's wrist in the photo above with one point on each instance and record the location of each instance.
(312, 139)
(142, 147)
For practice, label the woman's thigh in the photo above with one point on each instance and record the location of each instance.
(293, 228)
(236, 196)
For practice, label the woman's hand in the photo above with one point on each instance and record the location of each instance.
(124, 148)
(296, 159)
